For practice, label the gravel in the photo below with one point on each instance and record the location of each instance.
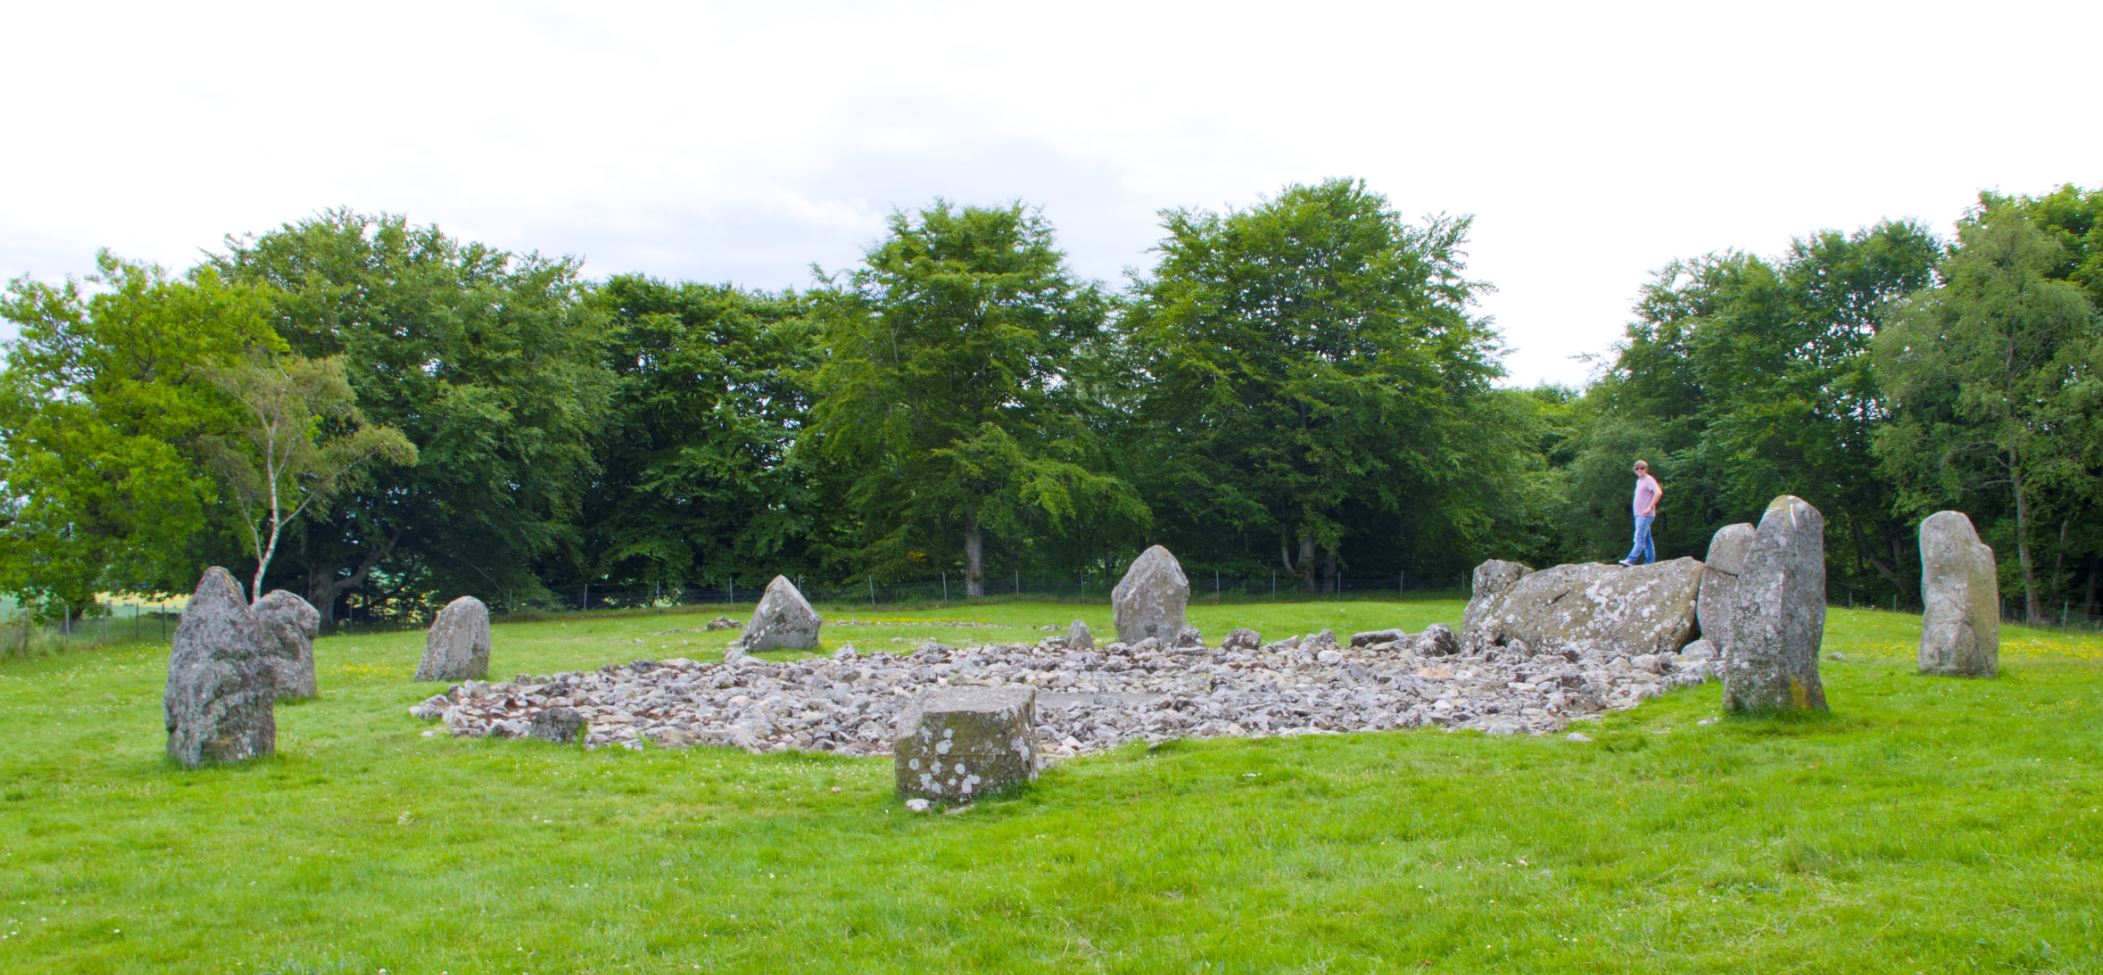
(1088, 700)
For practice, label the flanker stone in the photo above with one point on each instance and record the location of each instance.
(288, 625)
(1078, 637)
(1150, 599)
(221, 697)
(1778, 616)
(958, 743)
(1630, 609)
(1719, 582)
(457, 648)
(1960, 593)
(784, 620)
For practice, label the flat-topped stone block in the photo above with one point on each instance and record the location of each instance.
(955, 744)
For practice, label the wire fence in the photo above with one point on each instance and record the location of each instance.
(128, 618)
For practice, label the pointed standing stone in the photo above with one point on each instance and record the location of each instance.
(1778, 617)
(1719, 583)
(1960, 594)
(1150, 599)
(220, 699)
(1078, 637)
(784, 620)
(457, 648)
(288, 625)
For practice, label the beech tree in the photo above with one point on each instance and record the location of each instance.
(945, 400)
(1994, 379)
(1307, 358)
(103, 403)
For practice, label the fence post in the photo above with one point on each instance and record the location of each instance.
(65, 620)
(733, 589)
(1274, 585)
(945, 587)
(872, 589)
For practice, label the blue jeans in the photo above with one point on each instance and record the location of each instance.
(1644, 552)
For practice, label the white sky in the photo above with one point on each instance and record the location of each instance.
(744, 142)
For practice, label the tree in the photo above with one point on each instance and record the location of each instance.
(301, 440)
(1744, 378)
(946, 400)
(1306, 362)
(490, 363)
(103, 403)
(1993, 378)
(702, 475)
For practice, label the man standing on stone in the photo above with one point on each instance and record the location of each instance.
(1647, 494)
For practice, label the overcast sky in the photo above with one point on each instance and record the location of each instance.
(745, 142)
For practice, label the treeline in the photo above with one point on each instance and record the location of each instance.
(357, 407)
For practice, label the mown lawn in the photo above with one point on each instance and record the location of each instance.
(1928, 825)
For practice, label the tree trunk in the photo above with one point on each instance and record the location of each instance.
(974, 558)
(1307, 561)
(2095, 573)
(2033, 611)
(323, 586)
(1329, 580)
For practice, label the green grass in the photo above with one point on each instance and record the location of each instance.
(1927, 825)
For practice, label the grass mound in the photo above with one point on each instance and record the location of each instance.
(1927, 825)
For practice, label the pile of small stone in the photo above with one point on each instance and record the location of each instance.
(1087, 699)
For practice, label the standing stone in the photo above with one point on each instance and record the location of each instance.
(784, 620)
(958, 743)
(457, 647)
(1149, 601)
(1078, 637)
(220, 703)
(1778, 617)
(1719, 582)
(1960, 593)
(288, 625)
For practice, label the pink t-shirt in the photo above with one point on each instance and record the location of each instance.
(1646, 493)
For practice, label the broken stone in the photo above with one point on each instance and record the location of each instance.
(958, 743)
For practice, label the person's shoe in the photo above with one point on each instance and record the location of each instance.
(1623, 562)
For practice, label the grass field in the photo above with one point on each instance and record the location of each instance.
(1928, 825)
